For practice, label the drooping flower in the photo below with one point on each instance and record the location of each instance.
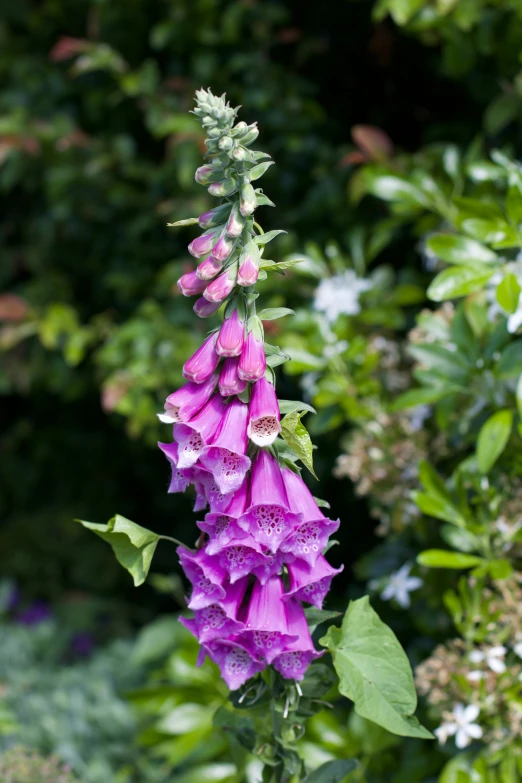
(263, 425)
(184, 403)
(202, 364)
(180, 479)
(231, 336)
(221, 526)
(195, 435)
(265, 620)
(206, 576)
(298, 654)
(268, 518)
(226, 456)
(400, 585)
(252, 363)
(219, 620)
(310, 583)
(242, 557)
(203, 308)
(190, 284)
(229, 380)
(222, 286)
(236, 663)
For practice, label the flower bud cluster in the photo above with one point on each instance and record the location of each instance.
(260, 555)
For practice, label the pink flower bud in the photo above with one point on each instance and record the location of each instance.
(221, 286)
(214, 216)
(248, 271)
(263, 425)
(229, 380)
(204, 308)
(209, 268)
(224, 188)
(235, 222)
(202, 364)
(231, 336)
(202, 245)
(191, 285)
(252, 364)
(223, 248)
(203, 174)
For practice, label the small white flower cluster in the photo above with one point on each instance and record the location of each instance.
(494, 658)
(340, 295)
(461, 725)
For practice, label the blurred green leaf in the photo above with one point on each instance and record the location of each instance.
(440, 558)
(493, 438)
(458, 281)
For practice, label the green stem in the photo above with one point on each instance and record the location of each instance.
(174, 541)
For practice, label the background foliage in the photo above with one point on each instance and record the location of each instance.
(395, 127)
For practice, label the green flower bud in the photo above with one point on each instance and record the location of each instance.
(226, 143)
(247, 200)
(239, 153)
(239, 130)
(253, 133)
(224, 188)
(214, 133)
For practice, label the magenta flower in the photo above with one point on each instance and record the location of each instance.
(263, 426)
(236, 663)
(194, 435)
(202, 245)
(219, 620)
(207, 491)
(202, 364)
(252, 364)
(184, 403)
(226, 456)
(221, 286)
(221, 526)
(268, 518)
(204, 308)
(229, 380)
(311, 537)
(310, 583)
(191, 285)
(248, 271)
(231, 336)
(266, 626)
(235, 222)
(180, 478)
(208, 269)
(299, 654)
(242, 558)
(206, 575)
(223, 248)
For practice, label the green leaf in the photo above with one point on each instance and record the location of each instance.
(257, 171)
(186, 222)
(438, 507)
(132, 544)
(296, 436)
(390, 187)
(493, 438)
(289, 406)
(271, 266)
(273, 313)
(374, 671)
(460, 250)
(156, 640)
(510, 363)
(237, 724)
(519, 396)
(508, 293)
(316, 616)
(458, 281)
(441, 558)
(436, 357)
(424, 395)
(332, 771)
(264, 239)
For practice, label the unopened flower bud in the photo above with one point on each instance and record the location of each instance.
(229, 380)
(251, 135)
(248, 271)
(231, 336)
(191, 285)
(214, 133)
(224, 188)
(252, 363)
(247, 200)
(202, 364)
(225, 143)
(235, 222)
(214, 216)
(221, 286)
(207, 174)
(203, 308)
(239, 130)
(223, 248)
(208, 269)
(203, 244)
(239, 153)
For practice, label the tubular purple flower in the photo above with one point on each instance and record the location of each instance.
(206, 575)
(299, 654)
(224, 188)
(203, 308)
(236, 663)
(194, 435)
(268, 518)
(311, 537)
(190, 284)
(218, 620)
(263, 426)
(241, 558)
(222, 527)
(214, 217)
(221, 286)
(235, 222)
(310, 583)
(226, 456)
(208, 492)
(231, 336)
(248, 271)
(271, 566)
(208, 269)
(202, 245)
(223, 248)
(252, 363)
(184, 403)
(265, 620)
(180, 478)
(202, 364)
(247, 200)
(229, 380)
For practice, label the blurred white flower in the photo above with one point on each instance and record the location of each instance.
(494, 658)
(400, 585)
(340, 294)
(475, 676)
(517, 648)
(461, 727)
